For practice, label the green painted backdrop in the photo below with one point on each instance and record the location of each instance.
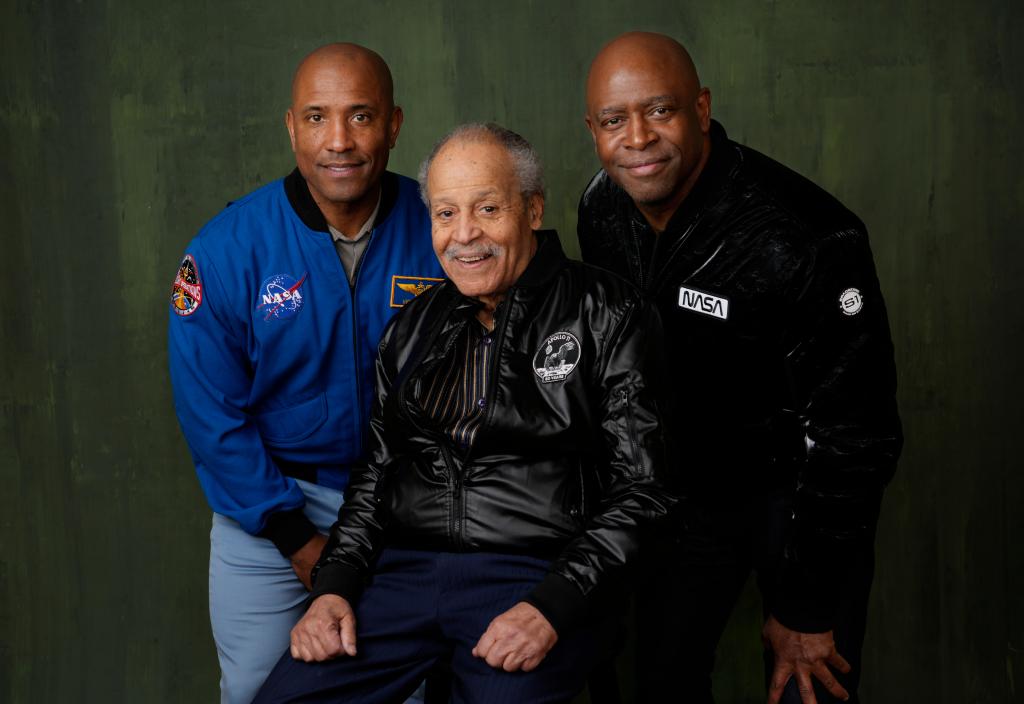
(127, 124)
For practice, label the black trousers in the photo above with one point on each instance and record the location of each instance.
(690, 588)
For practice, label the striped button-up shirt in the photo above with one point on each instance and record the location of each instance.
(456, 393)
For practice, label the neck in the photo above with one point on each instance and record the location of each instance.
(658, 214)
(486, 314)
(348, 217)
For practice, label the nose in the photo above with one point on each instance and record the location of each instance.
(339, 138)
(639, 134)
(467, 229)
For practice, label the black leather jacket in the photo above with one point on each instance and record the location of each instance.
(781, 361)
(566, 469)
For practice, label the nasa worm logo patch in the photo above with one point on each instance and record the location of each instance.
(280, 297)
(850, 301)
(557, 357)
(187, 291)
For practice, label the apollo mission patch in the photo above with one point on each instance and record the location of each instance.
(187, 291)
(557, 357)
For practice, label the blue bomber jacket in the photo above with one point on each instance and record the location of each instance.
(272, 351)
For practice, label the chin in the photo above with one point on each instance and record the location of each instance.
(346, 193)
(473, 289)
(648, 194)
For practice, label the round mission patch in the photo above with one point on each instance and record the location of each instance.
(557, 357)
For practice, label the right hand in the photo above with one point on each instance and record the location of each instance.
(326, 631)
(304, 559)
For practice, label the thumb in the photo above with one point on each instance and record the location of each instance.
(348, 633)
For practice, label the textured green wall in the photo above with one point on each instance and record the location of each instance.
(127, 124)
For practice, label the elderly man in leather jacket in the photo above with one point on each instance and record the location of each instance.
(515, 465)
(782, 370)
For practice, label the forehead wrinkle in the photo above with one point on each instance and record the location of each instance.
(449, 196)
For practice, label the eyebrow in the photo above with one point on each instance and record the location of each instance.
(647, 102)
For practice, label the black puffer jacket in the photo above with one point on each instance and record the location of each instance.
(566, 469)
(781, 362)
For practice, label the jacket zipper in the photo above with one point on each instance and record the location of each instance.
(455, 522)
(632, 432)
(637, 249)
(583, 496)
(355, 337)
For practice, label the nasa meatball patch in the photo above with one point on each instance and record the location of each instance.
(850, 301)
(557, 357)
(280, 297)
(187, 291)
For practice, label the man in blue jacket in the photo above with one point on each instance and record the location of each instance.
(276, 311)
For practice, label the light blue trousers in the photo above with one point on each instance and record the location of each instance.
(256, 598)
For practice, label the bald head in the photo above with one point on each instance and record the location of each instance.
(344, 58)
(644, 52)
(650, 120)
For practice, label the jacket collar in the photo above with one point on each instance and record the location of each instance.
(547, 261)
(718, 170)
(305, 207)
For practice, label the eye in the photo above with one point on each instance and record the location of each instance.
(315, 118)
(360, 117)
(444, 214)
(612, 122)
(661, 111)
(489, 209)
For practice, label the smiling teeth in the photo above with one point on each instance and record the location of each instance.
(469, 260)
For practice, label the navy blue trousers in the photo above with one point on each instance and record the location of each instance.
(424, 606)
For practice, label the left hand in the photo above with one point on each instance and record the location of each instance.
(517, 639)
(801, 655)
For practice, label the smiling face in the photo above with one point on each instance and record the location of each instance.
(482, 227)
(649, 120)
(342, 125)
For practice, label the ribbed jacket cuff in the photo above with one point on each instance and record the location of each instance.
(562, 604)
(288, 531)
(343, 581)
(804, 601)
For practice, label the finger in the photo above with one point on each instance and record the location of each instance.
(803, 683)
(531, 663)
(780, 677)
(325, 642)
(498, 652)
(829, 682)
(483, 646)
(839, 662)
(348, 634)
(317, 649)
(513, 661)
(304, 652)
(297, 643)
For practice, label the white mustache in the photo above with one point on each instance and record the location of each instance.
(456, 251)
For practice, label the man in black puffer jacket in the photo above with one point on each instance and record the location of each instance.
(781, 365)
(515, 466)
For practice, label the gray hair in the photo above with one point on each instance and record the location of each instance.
(525, 162)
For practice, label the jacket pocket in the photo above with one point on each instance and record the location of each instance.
(284, 426)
